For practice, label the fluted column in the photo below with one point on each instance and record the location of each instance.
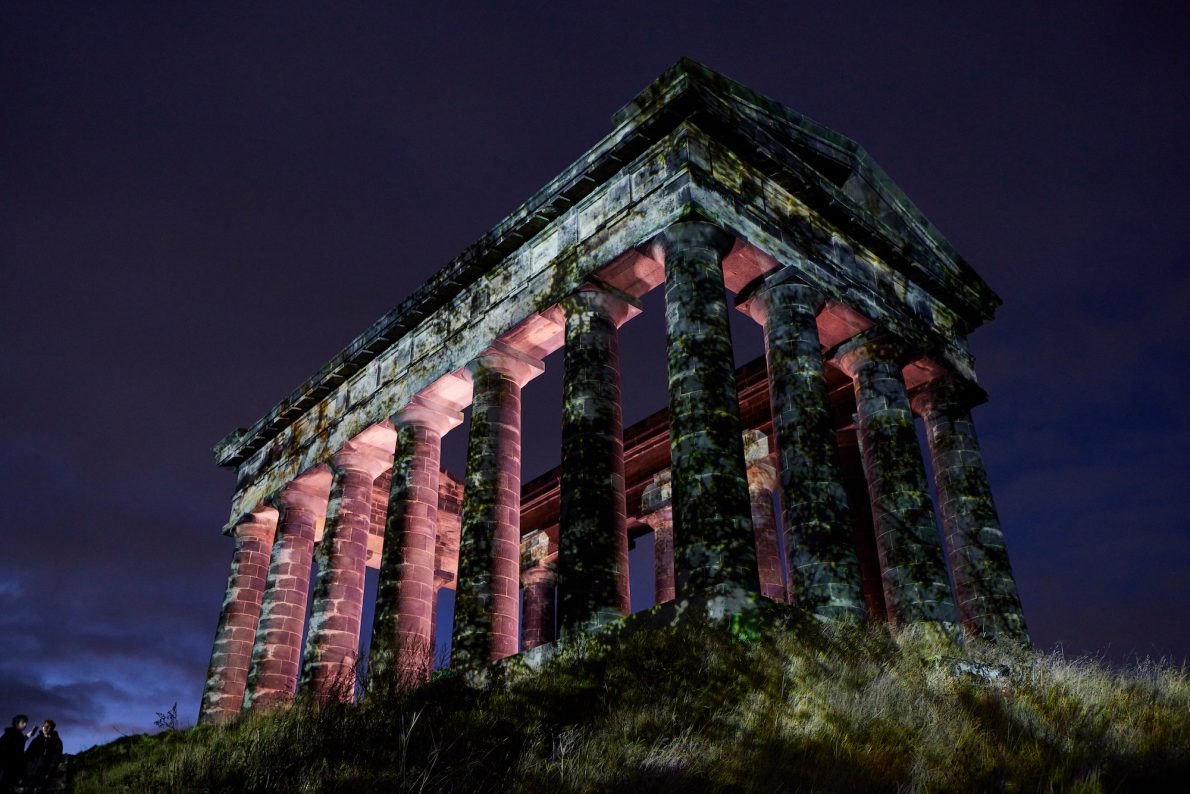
(988, 601)
(273, 676)
(824, 571)
(593, 537)
(402, 650)
(332, 641)
(657, 512)
(913, 566)
(488, 595)
(762, 478)
(223, 696)
(715, 556)
(540, 581)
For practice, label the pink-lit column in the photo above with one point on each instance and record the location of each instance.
(488, 596)
(537, 622)
(402, 651)
(273, 675)
(762, 479)
(227, 676)
(657, 511)
(332, 642)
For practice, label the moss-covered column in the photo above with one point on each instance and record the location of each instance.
(592, 534)
(824, 572)
(273, 675)
(223, 696)
(912, 562)
(988, 600)
(402, 650)
(762, 478)
(656, 510)
(715, 557)
(332, 641)
(488, 595)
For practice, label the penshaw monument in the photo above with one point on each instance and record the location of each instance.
(702, 188)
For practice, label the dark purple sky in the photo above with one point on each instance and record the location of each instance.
(199, 206)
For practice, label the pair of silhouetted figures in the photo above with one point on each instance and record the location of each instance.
(28, 769)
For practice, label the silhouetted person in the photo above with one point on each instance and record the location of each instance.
(12, 753)
(42, 757)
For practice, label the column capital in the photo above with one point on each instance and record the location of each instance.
(508, 361)
(684, 235)
(874, 344)
(310, 491)
(260, 524)
(540, 572)
(363, 458)
(756, 298)
(593, 297)
(946, 392)
(425, 412)
(657, 495)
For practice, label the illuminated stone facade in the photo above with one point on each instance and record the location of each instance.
(703, 188)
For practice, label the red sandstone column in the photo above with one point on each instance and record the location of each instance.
(273, 676)
(332, 642)
(232, 655)
(488, 596)
(402, 651)
(537, 622)
(657, 512)
(762, 477)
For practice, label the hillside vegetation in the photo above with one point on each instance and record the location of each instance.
(695, 709)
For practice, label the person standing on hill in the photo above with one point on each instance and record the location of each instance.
(12, 753)
(43, 756)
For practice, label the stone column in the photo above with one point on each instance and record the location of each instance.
(223, 696)
(593, 537)
(332, 641)
(715, 556)
(657, 511)
(988, 601)
(762, 478)
(913, 565)
(824, 572)
(273, 676)
(402, 651)
(488, 594)
(537, 623)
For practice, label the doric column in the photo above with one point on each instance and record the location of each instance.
(227, 676)
(402, 651)
(657, 511)
(332, 641)
(488, 594)
(913, 566)
(762, 478)
(824, 572)
(273, 676)
(592, 535)
(988, 601)
(715, 556)
(537, 622)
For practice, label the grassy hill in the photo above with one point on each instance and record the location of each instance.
(695, 709)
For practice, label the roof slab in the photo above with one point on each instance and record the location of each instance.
(796, 195)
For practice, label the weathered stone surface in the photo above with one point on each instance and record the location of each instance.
(913, 566)
(714, 553)
(988, 601)
(593, 539)
(487, 601)
(824, 568)
(657, 512)
(402, 649)
(273, 675)
(227, 676)
(332, 640)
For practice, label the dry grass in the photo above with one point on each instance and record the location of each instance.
(692, 709)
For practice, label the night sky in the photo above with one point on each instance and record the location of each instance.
(200, 205)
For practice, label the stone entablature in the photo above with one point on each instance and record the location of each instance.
(704, 187)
